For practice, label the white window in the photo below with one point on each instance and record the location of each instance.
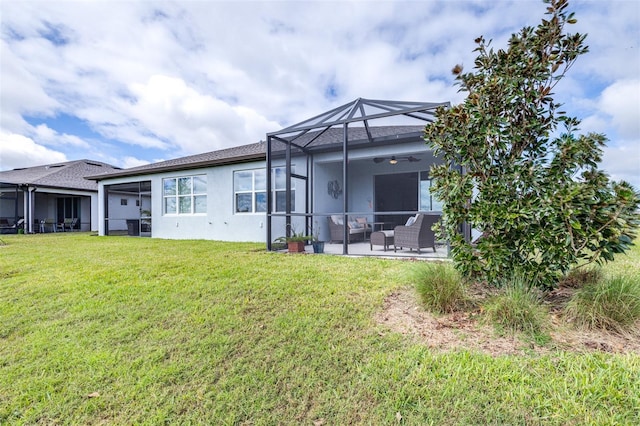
(250, 195)
(250, 191)
(185, 195)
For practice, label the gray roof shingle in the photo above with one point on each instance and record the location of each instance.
(238, 154)
(67, 175)
(257, 151)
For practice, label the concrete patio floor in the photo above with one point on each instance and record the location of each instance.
(362, 248)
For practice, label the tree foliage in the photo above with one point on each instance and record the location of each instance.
(517, 170)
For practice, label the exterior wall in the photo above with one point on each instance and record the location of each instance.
(221, 222)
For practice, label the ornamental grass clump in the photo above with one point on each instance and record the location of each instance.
(611, 304)
(517, 308)
(439, 286)
(579, 277)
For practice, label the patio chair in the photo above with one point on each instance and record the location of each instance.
(357, 229)
(69, 223)
(48, 223)
(417, 235)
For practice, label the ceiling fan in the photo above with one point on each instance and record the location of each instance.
(394, 160)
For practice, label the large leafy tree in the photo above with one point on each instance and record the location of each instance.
(517, 170)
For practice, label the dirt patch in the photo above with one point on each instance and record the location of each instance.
(464, 331)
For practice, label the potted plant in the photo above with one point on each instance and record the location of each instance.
(318, 246)
(295, 241)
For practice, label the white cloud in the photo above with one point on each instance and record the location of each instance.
(160, 79)
(45, 135)
(172, 110)
(20, 151)
(621, 101)
(616, 113)
(22, 92)
(623, 163)
(128, 162)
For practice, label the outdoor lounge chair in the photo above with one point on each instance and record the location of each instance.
(5, 228)
(417, 235)
(357, 230)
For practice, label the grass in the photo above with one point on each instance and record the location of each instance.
(612, 303)
(117, 330)
(439, 286)
(518, 308)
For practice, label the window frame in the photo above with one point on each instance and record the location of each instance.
(424, 176)
(194, 196)
(255, 192)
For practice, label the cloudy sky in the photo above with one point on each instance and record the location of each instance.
(133, 82)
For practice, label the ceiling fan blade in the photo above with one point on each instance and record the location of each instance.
(378, 159)
(413, 159)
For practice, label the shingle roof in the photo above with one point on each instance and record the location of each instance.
(257, 151)
(238, 154)
(67, 175)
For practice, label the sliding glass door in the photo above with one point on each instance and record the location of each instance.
(68, 208)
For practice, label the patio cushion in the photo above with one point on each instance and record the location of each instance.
(337, 219)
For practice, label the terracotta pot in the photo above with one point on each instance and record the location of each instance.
(296, 246)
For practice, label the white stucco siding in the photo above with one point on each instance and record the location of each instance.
(220, 222)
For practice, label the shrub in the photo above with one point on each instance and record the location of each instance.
(531, 184)
(517, 309)
(611, 304)
(439, 286)
(578, 278)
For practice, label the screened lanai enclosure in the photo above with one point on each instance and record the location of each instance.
(37, 209)
(127, 209)
(363, 162)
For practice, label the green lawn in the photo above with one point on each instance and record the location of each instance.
(117, 330)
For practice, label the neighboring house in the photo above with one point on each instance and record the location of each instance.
(52, 193)
(222, 195)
